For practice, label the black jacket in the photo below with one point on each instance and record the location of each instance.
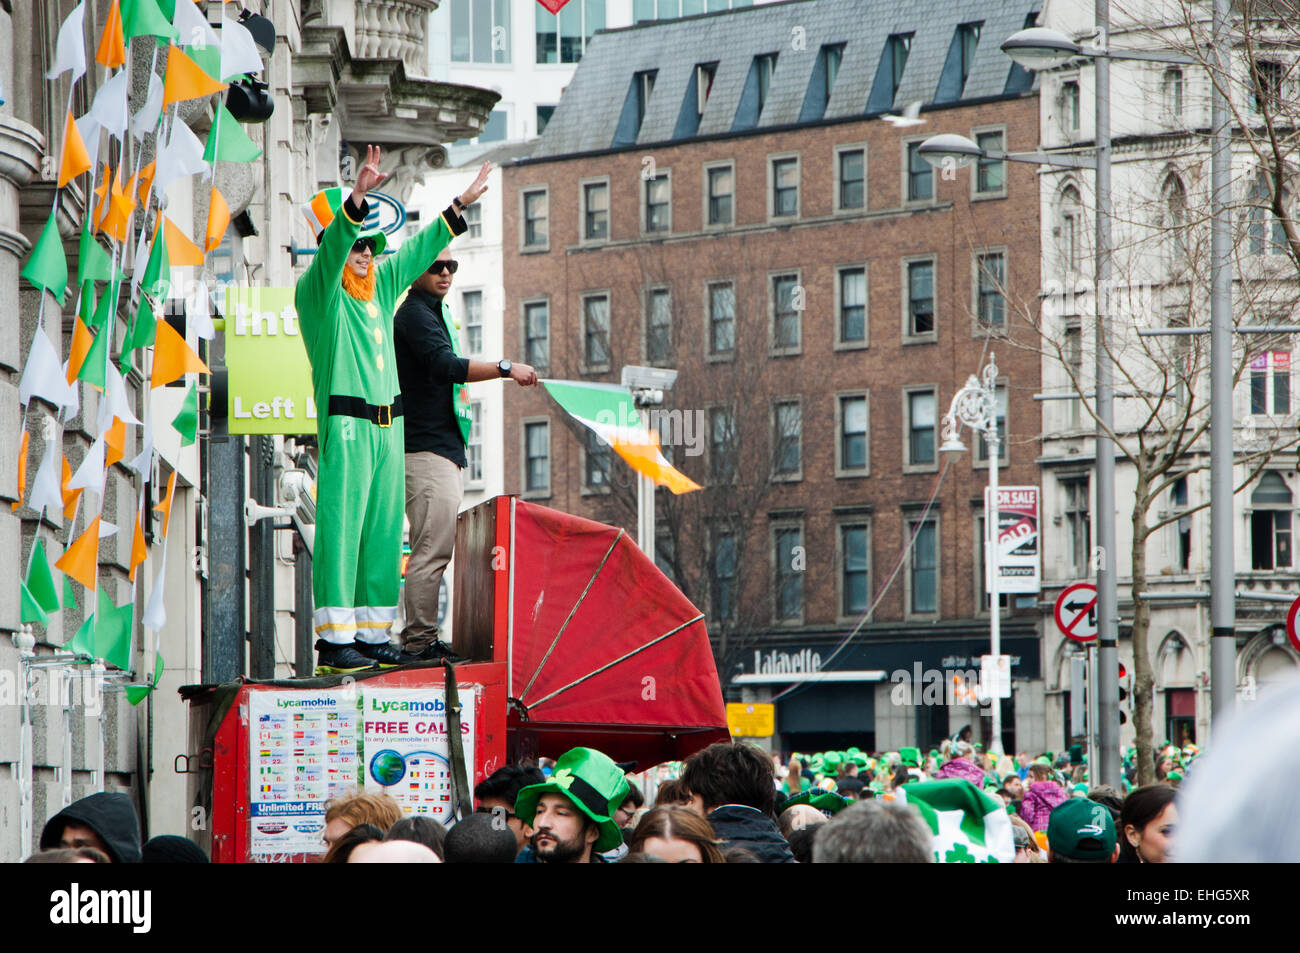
(426, 368)
(748, 827)
(111, 815)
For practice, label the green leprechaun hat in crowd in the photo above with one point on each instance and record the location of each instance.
(595, 785)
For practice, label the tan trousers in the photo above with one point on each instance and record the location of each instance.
(433, 491)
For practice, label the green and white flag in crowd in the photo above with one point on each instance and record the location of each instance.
(968, 825)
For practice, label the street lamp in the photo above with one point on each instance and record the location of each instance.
(949, 150)
(976, 406)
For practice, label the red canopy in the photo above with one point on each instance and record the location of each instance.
(601, 648)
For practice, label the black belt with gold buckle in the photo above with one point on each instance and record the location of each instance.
(381, 414)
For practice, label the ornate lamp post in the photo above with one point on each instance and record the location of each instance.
(976, 406)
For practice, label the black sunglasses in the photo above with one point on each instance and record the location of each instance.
(362, 244)
(438, 267)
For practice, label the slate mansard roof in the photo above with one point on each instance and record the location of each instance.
(588, 116)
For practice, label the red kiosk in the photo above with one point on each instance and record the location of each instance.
(573, 637)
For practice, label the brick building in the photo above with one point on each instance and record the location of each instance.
(719, 194)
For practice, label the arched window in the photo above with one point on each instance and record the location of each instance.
(1173, 222)
(1071, 227)
(1262, 220)
(1270, 523)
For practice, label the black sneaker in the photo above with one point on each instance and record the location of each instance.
(436, 651)
(334, 658)
(385, 654)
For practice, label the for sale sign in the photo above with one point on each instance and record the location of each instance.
(1017, 550)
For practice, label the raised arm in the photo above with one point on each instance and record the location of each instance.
(321, 281)
(419, 251)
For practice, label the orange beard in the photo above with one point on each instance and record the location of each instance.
(363, 289)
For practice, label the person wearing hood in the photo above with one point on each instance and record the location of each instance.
(731, 786)
(105, 821)
(1042, 796)
(961, 765)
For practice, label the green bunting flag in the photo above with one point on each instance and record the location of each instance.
(30, 610)
(40, 580)
(93, 263)
(157, 272)
(138, 693)
(208, 58)
(148, 18)
(83, 642)
(105, 310)
(187, 421)
(48, 267)
(113, 631)
(69, 594)
(94, 369)
(143, 327)
(87, 307)
(227, 142)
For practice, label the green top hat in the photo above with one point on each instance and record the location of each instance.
(321, 210)
(910, 757)
(1081, 830)
(595, 785)
(827, 802)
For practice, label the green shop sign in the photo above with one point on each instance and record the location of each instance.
(270, 377)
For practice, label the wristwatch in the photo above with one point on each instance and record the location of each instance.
(503, 367)
(458, 204)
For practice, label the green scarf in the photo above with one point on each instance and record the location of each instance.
(459, 392)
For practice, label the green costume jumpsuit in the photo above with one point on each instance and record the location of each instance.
(360, 488)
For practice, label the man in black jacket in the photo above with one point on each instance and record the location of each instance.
(734, 788)
(105, 821)
(433, 377)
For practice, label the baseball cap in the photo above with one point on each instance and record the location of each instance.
(1081, 829)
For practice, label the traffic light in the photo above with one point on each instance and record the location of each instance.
(1125, 696)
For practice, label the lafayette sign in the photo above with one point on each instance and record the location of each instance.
(784, 663)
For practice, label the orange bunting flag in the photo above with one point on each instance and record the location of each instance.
(81, 341)
(172, 357)
(80, 559)
(139, 552)
(101, 191)
(185, 79)
(70, 495)
(115, 442)
(218, 219)
(165, 507)
(121, 204)
(75, 159)
(180, 249)
(22, 471)
(145, 176)
(112, 44)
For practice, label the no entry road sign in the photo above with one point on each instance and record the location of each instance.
(1076, 612)
(1291, 620)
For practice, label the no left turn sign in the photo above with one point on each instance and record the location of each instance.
(1076, 612)
(1291, 622)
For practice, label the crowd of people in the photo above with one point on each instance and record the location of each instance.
(735, 803)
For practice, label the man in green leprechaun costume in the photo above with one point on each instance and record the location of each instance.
(345, 304)
(572, 814)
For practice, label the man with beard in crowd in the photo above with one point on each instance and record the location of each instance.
(572, 814)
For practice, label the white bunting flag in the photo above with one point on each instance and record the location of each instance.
(110, 108)
(70, 47)
(117, 400)
(198, 312)
(192, 26)
(155, 613)
(43, 376)
(90, 475)
(238, 50)
(183, 156)
(146, 120)
(47, 494)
